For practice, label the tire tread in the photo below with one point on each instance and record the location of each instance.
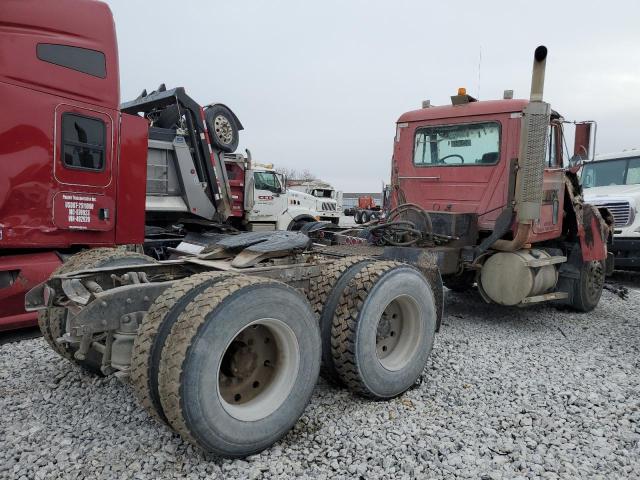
(179, 341)
(147, 332)
(345, 324)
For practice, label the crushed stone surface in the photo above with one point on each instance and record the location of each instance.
(507, 393)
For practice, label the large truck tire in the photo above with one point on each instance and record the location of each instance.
(357, 217)
(152, 335)
(587, 289)
(222, 127)
(324, 294)
(239, 365)
(52, 321)
(364, 217)
(384, 329)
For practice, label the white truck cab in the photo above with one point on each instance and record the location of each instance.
(270, 205)
(328, 201)
(613, 181)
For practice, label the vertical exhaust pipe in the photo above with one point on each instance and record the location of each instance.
(537, 75)
(533, 145)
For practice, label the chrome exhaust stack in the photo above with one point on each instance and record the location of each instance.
(537, 76)
(533, 145)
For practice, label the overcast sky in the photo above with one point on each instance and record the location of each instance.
(319, 85)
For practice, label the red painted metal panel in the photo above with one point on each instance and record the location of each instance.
(477, 189)
(28, 186)
(549, 225)
(235, 174)
(31, 270)
(593, 237)
(77, 23)
(486, 107)
(130, 211)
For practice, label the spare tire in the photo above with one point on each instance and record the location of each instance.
(223, 128)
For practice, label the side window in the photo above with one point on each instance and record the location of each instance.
(633, 172)
(267, 181)
(83, 142)
(91, 62)
(462, 144)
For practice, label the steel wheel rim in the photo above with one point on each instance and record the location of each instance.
(258, 369)
(223, 129)
(398, 333)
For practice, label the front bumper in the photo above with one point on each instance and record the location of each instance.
(626, 252)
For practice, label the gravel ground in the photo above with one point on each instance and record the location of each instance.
(507, 393)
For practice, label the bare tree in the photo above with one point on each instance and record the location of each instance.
(293, 174)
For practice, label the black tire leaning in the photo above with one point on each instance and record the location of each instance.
(52, 321)
(222, 127)
(190, 393)
(152, 334)
(587, 289)
(355, 330)
(296, 225)
(324, 294)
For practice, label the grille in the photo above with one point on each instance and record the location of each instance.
(621, 212)
(328, 206)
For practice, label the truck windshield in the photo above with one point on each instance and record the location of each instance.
(623, 171)
(464, 144)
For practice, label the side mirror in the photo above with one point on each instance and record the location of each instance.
(283, 182)
(582, 143)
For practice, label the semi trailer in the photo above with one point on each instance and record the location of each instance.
(225, 346)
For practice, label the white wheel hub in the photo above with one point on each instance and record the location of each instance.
(258, 369)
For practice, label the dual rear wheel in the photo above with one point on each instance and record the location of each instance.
(228, 361)
(378, 324)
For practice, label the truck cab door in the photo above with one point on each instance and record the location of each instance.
(84, 195)
(269, 197)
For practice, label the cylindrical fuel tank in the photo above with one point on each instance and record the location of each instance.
(507, 279)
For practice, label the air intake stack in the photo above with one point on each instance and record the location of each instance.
(533, 145)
